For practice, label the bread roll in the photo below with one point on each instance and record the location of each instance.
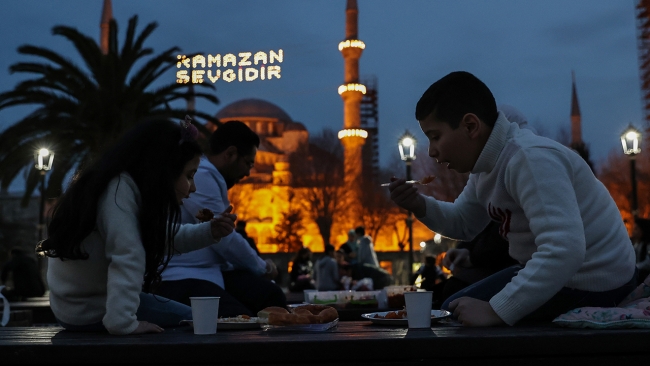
(307, 314)
(313, 309)
(289, 319)
(264, 313)
(328, 315)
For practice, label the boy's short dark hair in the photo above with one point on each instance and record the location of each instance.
(455, 95)
(234, 133)
(329, 248)
(360, 230)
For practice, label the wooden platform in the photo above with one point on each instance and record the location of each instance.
(351, 343)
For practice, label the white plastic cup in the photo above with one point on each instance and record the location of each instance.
(307, 292)
(205, 312)
(418, 308)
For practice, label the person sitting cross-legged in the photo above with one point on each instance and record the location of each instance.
(561, 223)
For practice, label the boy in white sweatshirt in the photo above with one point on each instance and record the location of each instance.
(561, 223)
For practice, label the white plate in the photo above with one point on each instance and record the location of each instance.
(302, 327)
(436, 315)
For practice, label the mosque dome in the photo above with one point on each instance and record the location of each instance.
(253, 108)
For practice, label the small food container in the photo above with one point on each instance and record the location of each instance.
(364, 299)
(395, 295)
(331, 298)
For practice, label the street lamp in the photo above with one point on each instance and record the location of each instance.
(630, 140)
(43, 159)
(407, 153)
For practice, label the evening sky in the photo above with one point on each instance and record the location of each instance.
(523, 50)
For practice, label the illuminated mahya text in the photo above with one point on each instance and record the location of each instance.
(246, 66)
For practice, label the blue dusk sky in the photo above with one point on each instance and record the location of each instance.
(523, 50)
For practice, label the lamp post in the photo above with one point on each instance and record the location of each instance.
(630, 141)
(407, 153)
(43, 159)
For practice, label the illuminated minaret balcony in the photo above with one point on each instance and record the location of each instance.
(353, 132)
(352, 87)
(352, 43)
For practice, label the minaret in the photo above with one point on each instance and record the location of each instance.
(107, 16)
(576, 133)
(352, 136)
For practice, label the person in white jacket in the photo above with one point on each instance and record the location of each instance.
(327, 271)
(113, 227)
(367, 254)
(231, 270)
(561, 223)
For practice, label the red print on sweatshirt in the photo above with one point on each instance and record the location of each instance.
(502, 216)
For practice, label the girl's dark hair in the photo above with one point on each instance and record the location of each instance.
(154, 154)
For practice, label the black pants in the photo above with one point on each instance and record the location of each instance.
(246, 295)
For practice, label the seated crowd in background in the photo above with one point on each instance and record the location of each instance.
(353, 267)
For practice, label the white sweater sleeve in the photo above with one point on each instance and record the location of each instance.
(117, 222)
(194, 236)
(542, 185)
(461, 220)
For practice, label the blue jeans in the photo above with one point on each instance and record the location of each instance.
(153, 309)
(566, 299)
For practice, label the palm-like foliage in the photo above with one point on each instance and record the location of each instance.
(80, 112)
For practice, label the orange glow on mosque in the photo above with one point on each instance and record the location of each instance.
(289, 200)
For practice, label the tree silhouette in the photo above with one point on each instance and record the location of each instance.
(320, 178)
(290, 229)
(615, 175)
(376, 207)
(80, 112)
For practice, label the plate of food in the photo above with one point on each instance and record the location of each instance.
(305, 318)
(238, 322)
(399, 318)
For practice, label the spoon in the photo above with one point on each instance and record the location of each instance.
(424, 181)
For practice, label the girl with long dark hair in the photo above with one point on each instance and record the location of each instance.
(115, 228)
